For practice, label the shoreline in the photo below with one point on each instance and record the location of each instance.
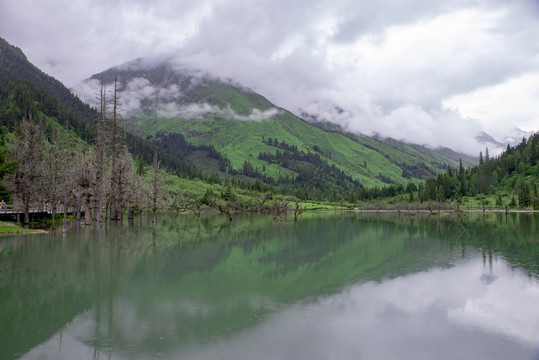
(426, 211)
(9, 228)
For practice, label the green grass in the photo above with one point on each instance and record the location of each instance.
(11, 228)
(241, 141)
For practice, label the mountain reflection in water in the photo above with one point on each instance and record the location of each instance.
(334, 286)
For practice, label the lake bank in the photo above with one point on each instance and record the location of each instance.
(9, 228)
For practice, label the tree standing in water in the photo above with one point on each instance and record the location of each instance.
(27, 152)
(99, 159)
(157, 188)
(117, 149)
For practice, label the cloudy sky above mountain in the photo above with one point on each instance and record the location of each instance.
(430, 72)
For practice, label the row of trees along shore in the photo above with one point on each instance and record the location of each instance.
(50, 166)
(515, 172)
(59, 171)
(512, 174)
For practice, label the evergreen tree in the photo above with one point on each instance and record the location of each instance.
(499, 201)
(524, 198)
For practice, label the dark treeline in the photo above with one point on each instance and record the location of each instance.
(316, 179)
(177, 146)
(21, 99)
(27, 91)
(514, 173)
(384, 192)
(29, 87)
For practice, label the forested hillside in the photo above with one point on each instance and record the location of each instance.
(26, 90)
(237, 122)
(511, 178)
(243, 141)
(502, 182)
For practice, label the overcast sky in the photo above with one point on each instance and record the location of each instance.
(426, 71)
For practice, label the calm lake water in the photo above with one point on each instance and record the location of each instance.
(333, 286)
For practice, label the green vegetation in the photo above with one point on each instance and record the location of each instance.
(278, 162)
(222, 162)
(11, 228)
(240, 145)
(47, 282)
(508, 181)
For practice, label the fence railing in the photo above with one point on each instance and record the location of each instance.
(12, 209)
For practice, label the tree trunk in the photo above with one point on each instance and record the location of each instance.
(53, 211)
(64, 223)
(87, 218)
(26, 214)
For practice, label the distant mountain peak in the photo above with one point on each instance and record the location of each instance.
(512, 139)
(158, 87)
(486, 139)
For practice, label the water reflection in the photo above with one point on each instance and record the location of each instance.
(437, 314)
(346, 286)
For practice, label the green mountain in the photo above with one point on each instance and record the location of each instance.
(259, 139)
(26, 90)
(509, 179)
(204, 127)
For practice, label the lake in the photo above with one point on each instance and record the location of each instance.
(332, 286)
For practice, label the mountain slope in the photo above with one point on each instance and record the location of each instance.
(26, 90)
(162, 98)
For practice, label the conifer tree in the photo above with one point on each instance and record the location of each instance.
(524, 198)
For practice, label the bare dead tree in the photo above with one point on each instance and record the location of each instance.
(194, 204)
(298, 210)
(27, 151)
(225, 207)
(83, 176)
(157, 188)
(136, 196)
(117, 148)
(279, 209)
(99, 160)
(261, 206)
(53, 181)
(66, 167)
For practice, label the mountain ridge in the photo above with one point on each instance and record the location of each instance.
(167, 98)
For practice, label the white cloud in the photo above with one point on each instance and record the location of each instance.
(196, 111)
(379, 61)
(166, 102)
(440, 313)
(502, 107)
